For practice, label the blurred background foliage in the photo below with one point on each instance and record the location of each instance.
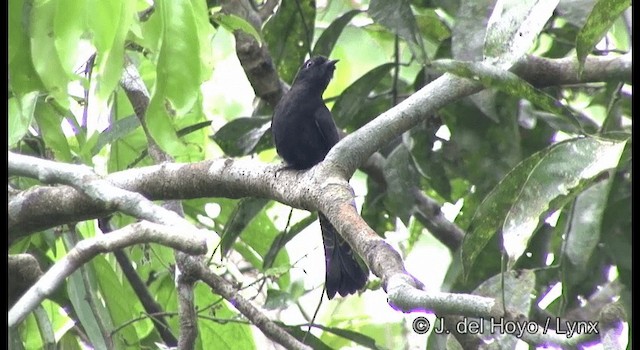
(539, 180)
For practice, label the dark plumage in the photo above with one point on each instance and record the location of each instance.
(304, 132)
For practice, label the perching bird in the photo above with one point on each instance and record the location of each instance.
(304, 132)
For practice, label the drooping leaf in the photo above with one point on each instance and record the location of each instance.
(604, 13)
(536, 186)
(289, 34)
(44, 55)
(327, 40)
(20, 115)
(178, 74)
(586, 222)
(575, 11)
(244, 212)
(281, 239)
(353, 97)
(512, 29)
(467, 37)
(518, 288)
(241, 136)
(232, 23)
(49, 125)
(400, 177)
(121, 307)
(398, 16)
(213, 331)
(116, 131)
(108, 23)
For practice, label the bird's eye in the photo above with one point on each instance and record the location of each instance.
(308, 64)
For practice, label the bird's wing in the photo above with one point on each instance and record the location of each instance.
(327, 127)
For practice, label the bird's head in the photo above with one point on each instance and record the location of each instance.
(316, 72)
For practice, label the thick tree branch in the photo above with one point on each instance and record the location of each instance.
(97, 189)
(355, 149)
(254, 56)
(543, 72)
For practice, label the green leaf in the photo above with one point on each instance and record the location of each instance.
(116, 131)
(352, 98)
(284, 237)
(277, 300)
(575, 11)
(244, 212)
(22, 75)
(21, 115)
(401, 177)
(513, 27)
(602, 17)
(232, 23)
(467, 37)
(356, 337)
(44, 54)
(327, 40)
(511, 84)
(69, 28)
(256, 240)
(586, 222)
(220, 334)
(78, 295)
(301, 334)
(289, 34)
(536, 186)
(122, 307)
(241, 136)
(428, 163)
(178, 74)
(398, 16)
(432, 26)
(109, 23)
(519, 286)
(178, 71)
(49, 126)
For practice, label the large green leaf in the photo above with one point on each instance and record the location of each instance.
(604, 13)
(122, 307)
(353, 98)
(79, 295)
(327, 40)
(178, 75)
(49, 126)
(398, 16)
(536, 186)
(20, 115)
(109, 23)
(69, 26)
(289, 34)
(243, 213)
(214, 331)
(23, 77)
(44, 54)
(513, 27)
(241, 136)
(401, 176)
(232, 23)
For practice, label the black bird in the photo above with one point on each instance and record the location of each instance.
(304, 132)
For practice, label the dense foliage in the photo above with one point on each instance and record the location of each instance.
(526, 185)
